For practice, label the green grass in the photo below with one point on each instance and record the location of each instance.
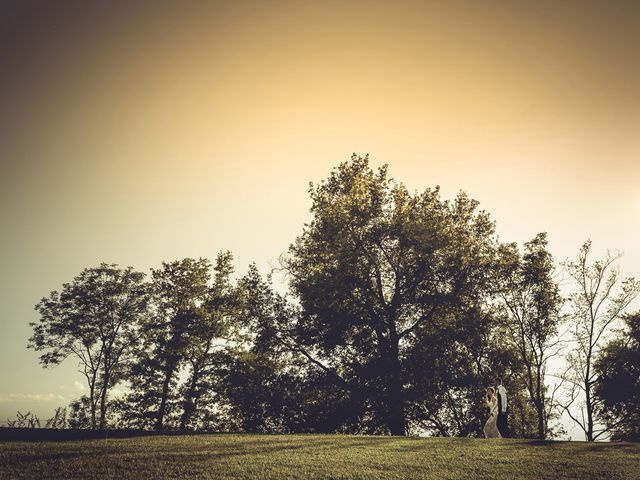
(316, 456)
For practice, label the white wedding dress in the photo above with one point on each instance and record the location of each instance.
(491, 428)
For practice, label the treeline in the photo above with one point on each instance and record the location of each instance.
(401, 308)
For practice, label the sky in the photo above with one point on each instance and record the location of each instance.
(141, 132)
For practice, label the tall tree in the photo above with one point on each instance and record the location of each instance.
(373, 266)
(599, 301)
(179, 292)
(617, 391)
(96, 319)
(532, 303)
(215, 321)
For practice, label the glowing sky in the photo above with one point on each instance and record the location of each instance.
(137, 134)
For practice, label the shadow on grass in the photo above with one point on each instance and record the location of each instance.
(68, 434)
(609, 446)
(254, 447)
(543, 443)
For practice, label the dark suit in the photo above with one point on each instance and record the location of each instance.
(501, 421)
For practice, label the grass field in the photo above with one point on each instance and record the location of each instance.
(315, 456)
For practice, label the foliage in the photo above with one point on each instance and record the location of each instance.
(267, 384)
(80, 413)
(211, 337)
(30, 420)
(618, 387)
(190, 318)
(596, 305)
(95, 319)
(531, 303)
(59, 419)
(178, 293)
(24, 420)
(401, 310)
(376, 269)
(451, 370)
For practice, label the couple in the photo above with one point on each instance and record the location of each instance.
(496, 399)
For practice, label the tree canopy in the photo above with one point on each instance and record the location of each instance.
(618, 387)
(399, 309)
(95, 319)
(375, 270)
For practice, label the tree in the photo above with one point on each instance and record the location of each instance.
(617, 389)
(190, 318)
(532, 302)
(59, 419)
(373, 267)
(80, 411)
(595, 307)
(214, 323)
(95, 319)
(449, 369)
(266, 384)
(24, 420)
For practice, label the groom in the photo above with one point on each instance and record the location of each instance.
(503, 411)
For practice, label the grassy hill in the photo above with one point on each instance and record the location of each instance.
(315, 456)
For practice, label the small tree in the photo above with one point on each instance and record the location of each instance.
(95, 319)
(59, 419)
(80, 413)
(24, 420)
(531, 301)
(599, 301)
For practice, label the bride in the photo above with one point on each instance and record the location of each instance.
(490, 428)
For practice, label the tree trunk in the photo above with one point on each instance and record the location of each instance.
(92, 389)
(539, 403)
(165, 394)
(589, 405)
(103, 399)
(541, 427)
(189, 406)
(587, 392)
(396, 394)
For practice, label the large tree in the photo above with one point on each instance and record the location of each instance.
(373, 267)
(531, 301)
(96, 319)
(617, 390)
(600, 299)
